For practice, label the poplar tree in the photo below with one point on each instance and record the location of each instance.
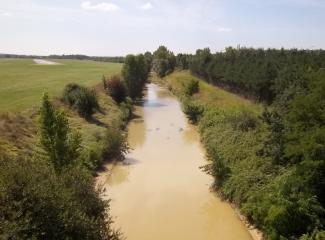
(60, 144)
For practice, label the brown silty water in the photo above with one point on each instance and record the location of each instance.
(159, 192)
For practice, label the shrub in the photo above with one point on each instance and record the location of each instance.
(115, 144)
(92, 156)
(117, 89)
(112, 146)
(192, 110)
(81, 99)
(36, 203)
(219, 169)
(126, 108)
(191, 87)
(243, 120)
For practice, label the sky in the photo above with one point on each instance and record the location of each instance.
(120, 27)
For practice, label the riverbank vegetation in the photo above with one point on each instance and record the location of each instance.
(50, 192)
(49, 156)
(268, 160)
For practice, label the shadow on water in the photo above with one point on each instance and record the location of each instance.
(129, 161)
(148, 103)
(154, 104)
(136, 118)
(139, 102)
(137, 136)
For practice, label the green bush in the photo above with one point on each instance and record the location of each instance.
(81, 99)
(219, 170)
(191, 87)
(92, 156)
(36, 203)
(126, 108)
(192, 110)
(315, 235)
(117, 89)
(243, 120)
(115, 144)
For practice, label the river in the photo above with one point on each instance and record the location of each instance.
(159, 192)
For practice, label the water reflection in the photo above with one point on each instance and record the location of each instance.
(137, 129)
(118, 175)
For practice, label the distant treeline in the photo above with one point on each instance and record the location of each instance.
(261, 74)
(117, 59)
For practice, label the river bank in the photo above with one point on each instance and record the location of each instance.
(214, 99)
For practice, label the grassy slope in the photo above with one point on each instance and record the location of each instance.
(22, 82)
(211, 95)
(18, 128)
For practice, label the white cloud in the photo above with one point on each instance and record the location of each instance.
(103, 6)
(7, 14)
(146, 6)
(224, 29)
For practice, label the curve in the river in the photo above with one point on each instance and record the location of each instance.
(159, 192)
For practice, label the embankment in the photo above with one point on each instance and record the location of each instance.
(232, 133)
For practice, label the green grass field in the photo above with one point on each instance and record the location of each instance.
(22, 82)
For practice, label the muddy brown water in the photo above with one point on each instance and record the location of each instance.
(159, 192)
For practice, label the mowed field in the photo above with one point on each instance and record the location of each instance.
(22, 82)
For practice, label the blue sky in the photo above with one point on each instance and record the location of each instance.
(119, 27)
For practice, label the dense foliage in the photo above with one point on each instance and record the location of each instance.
(258, 73)
(36, 203)
(52, 195)
(272, 165)
(81, 99)
(164, 61)
(183, 60)
(116, 88)
(135, 73)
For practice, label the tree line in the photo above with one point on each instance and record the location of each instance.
(115, 59)
(261, 74)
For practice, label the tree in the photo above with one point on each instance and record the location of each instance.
(56, 138)
(164, 61)
(148, 57)
(117, 89)
(135, 73)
